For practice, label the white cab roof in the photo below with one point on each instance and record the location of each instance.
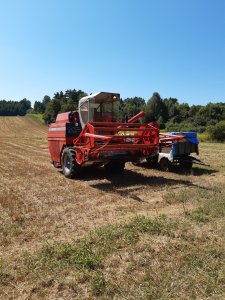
(99, 96)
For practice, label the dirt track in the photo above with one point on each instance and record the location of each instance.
(45, 206)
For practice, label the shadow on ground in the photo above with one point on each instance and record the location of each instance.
(129, 183)
(196, 171)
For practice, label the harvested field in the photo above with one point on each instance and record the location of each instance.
(39, 206)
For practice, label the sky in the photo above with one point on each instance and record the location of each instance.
(133, 47)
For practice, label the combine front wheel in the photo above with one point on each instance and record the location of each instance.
(69, 165)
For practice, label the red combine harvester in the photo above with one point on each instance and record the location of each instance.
(93, 136)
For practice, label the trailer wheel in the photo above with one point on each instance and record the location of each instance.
(115, 167)
(165, 164)
(69, 165)
(136, 163)
(152, 161)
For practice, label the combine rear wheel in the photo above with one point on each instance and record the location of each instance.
(115, 167)
(69, 165)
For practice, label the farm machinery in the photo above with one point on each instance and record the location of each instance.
(95, 136)
(180, 153)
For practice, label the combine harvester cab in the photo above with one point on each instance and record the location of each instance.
(94, 136)
(179, 153)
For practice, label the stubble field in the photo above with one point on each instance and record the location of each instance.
(45, 218)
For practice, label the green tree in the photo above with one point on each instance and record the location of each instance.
(13, 108)
(156, 109)
(217, 132)
(52, 109)
(24, 106)
(184, 111)
(131, 106)
(61, 102)
(172, 108)
(45, 101)
(38, 107)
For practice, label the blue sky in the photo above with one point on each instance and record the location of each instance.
(134, 47)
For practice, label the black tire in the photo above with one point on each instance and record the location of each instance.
(136, 163)
(69, 165)
(164, 164)
(152, 161)
(115, 167)
(55, 164)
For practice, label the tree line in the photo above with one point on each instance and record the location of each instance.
(168, 112)
(14, 108)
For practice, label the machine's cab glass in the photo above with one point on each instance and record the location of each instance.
(84, 112)
(102, 108)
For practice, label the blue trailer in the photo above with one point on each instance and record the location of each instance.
(179, 153)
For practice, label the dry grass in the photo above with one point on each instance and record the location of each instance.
(46, 252)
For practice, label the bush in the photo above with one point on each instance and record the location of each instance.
(217, 132)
